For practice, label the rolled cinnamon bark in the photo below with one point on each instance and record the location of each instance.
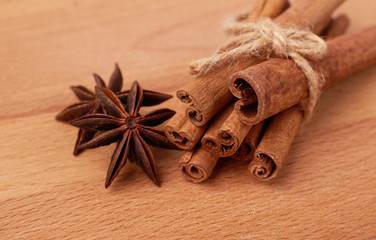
(197, 165)
(269, 158)
(337, 26)
(209, 94)
(180, 131)
(280, 84)
(226, 133)
(210, 140)
(275, 144)
(247, 149)
(267, 9)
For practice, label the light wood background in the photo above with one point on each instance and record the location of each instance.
(327, 189)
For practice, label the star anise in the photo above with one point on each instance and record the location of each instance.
(89, 103)
(132, 131)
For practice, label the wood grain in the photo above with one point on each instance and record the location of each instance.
(326, 190)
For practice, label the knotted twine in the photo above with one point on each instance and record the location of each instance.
(264, 40)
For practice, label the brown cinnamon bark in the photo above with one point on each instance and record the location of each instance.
(337, 26)
(209, 94)
(226, 133)
(197, 165)
(280, 84)
(269, 158)
(308, 14)
(275, 144)
(267, 9)
(247, 149)
(210, 141)
(180, 131)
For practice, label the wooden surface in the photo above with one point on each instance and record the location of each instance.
(327, 189)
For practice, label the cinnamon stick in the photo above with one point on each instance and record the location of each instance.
(226, 129)
(225, 134)
(276, 142)
(180, 131)
(267, 9)
(247, 149)
(210, 141)
(197, 165)
(337, 26)
(209, 94)
(346, 55)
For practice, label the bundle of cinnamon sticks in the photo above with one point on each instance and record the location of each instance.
(250, 110)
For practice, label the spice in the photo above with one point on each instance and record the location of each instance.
(89, 105)
(272, 151)
(225, 133)
(247, 149)
(197, 165)
(186, 128)
(208, 94)
(275, 144)
(337, 27)
(132, 131)
(279, 84)
(189, 124)
(181, 131)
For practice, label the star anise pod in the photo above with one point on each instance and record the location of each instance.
(132, 131)
(89, 103)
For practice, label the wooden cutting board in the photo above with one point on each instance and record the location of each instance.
(327, 189)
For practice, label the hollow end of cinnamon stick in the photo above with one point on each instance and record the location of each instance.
(275, 144)
(273, 93)
(244, 153)
(241, 89)
(248, 111)
(248, 147)
(247, 107)
(181, 140)
(197, 173)
(183, 96)
(226, 145)
(180, 131)
(196, 116)
(226, 138)
(262, 167)
(220, 148)
(196, 166)
(211, 144)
